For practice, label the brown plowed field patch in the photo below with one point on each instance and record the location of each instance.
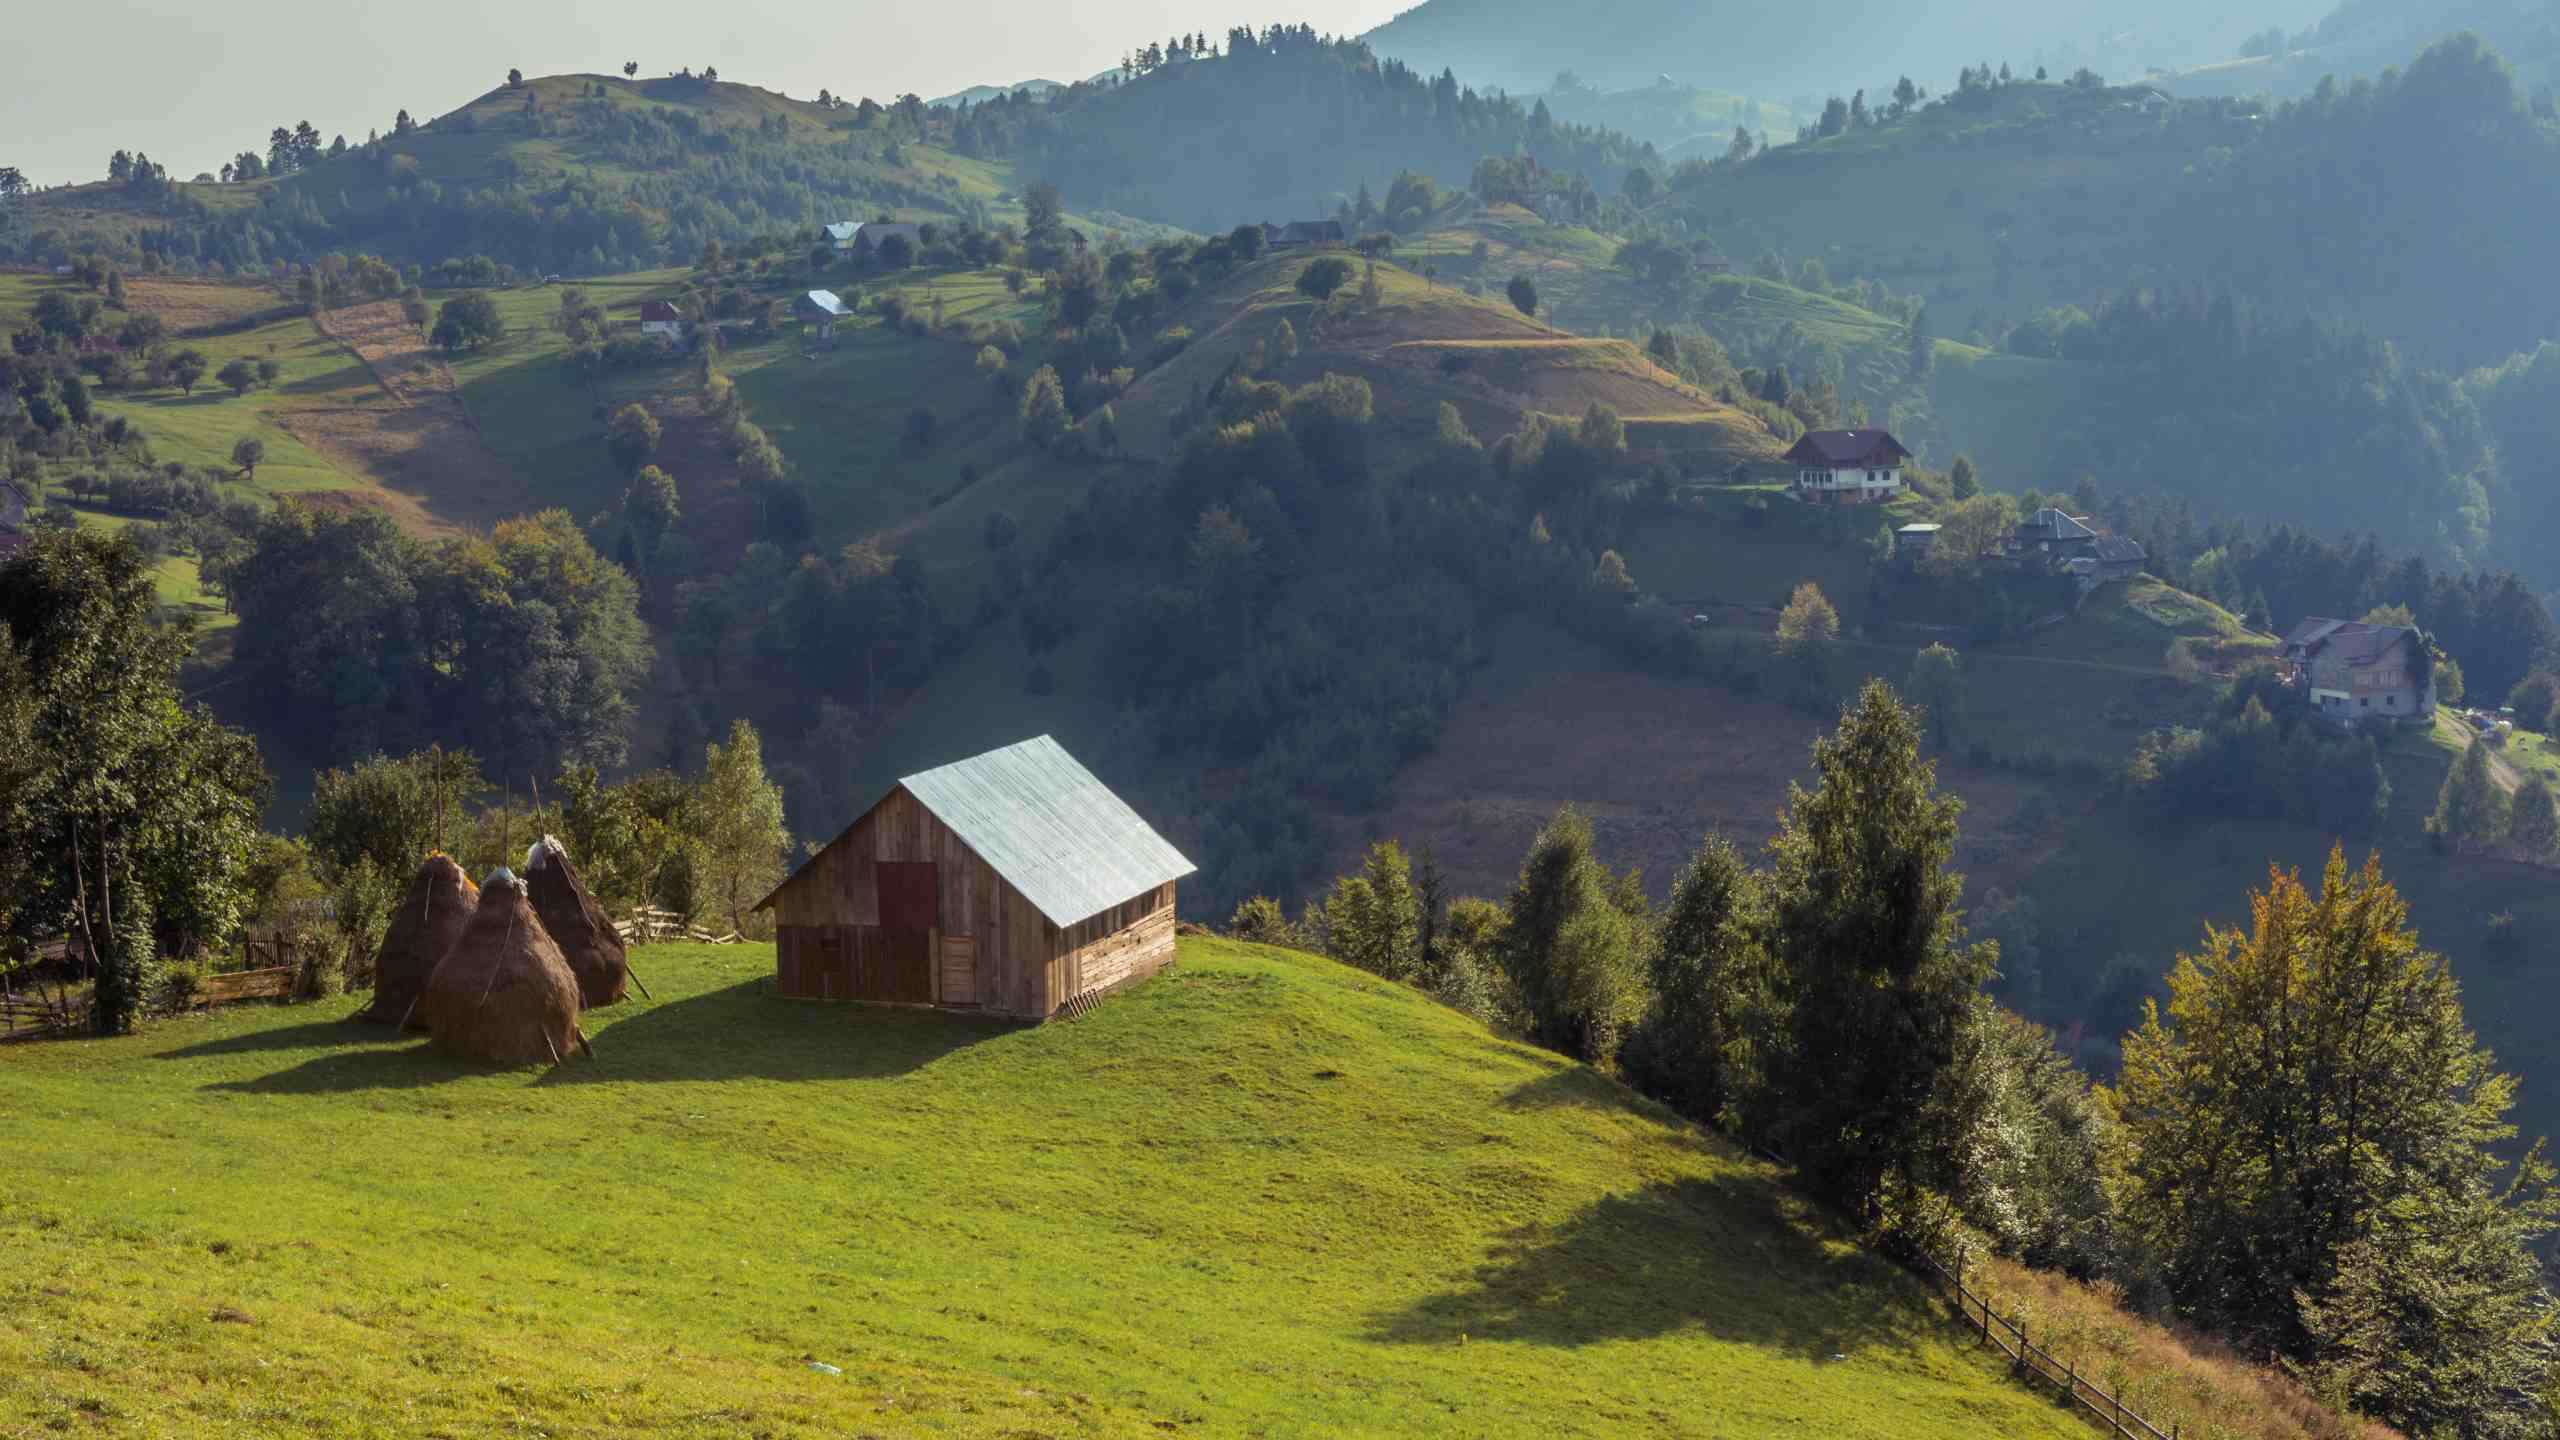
(191, 305)
(423, 449)
(1655, 765)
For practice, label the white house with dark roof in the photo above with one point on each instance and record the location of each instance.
(2358, 674)
(1847, 467)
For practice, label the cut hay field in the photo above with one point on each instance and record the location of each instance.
(1261, 1194)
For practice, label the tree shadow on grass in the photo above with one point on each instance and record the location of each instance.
(1735, 1257)
(309, 1035)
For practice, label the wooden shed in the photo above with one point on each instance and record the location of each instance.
(1013, 883)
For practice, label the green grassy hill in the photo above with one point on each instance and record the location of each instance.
(1262, 1193)
(1428, 342)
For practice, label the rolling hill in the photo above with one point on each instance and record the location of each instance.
(1260, 1192)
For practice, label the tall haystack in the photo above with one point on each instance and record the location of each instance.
(579, 926)
(502, 993)
(423, 927)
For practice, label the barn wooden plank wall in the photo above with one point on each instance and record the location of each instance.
(991, 939)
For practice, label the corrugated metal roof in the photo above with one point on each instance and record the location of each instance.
(1051, 829)
(825, 302)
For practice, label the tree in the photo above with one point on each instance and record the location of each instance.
(1937, 688)
(515, 79)
(1322, 277)
(246, 452)
(1923, 348)
(1640, 188)
(1808, 624)
(240, 375)
(1371, 918)
(1524, 295)
(13, 182)
(1284, 343)
(2533, 824)
(1962, 483)
(1568, 946)
(650, 507)
(2471, 811)
(2315, 1140)
(2536, 701)
(1611, 574)
(130, 813)
(268, 370)
(1875, 979)
(1711, 996)
(467, 322)
(632, 435)
(630, 68)
(736, 814)
(1044, 409)
(185, 369)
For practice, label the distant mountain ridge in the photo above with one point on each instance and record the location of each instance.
(981, 94)
(1818, 48)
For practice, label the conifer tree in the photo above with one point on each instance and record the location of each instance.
(1568, 947)
(2471, 811)
(1873, 975)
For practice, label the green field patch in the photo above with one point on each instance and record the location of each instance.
(1260, 1192)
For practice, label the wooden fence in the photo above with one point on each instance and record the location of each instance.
(270, 984)
(648, 924)
(26, 1017)
(2034, 1363)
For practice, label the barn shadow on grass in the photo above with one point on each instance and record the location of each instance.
(1734, 1257)
(747, 1032)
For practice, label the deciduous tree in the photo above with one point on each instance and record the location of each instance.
(246, 452)
(740, 839)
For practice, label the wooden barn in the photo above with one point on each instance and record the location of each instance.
(1013, 883)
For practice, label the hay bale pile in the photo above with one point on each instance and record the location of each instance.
(585, 934)
(503, 993)
(428, 920)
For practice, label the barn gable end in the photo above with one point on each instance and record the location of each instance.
(1013, 883)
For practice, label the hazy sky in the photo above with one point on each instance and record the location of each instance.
(193, 83)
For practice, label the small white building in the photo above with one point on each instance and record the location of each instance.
(662, 321)
(1848, 467)
(823, 309)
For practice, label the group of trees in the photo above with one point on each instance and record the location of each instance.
(523, 645)
(126, 813)
(2307, 1153)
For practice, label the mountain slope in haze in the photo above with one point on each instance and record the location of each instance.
(2362, 38)
(1819, 48)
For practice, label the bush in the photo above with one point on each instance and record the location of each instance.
(1320, 279)
(1262, 921)
(179, 988)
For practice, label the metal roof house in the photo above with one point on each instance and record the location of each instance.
(1012, 883)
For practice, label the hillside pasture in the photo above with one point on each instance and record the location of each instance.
(1261, 1193)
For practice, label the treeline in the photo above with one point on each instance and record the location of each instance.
(2307, 1152)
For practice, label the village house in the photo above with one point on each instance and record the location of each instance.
(1912, 543)
(1304, 235)
(1847, 467)
(2358, 674)
(1013, 883)
(821, 309)
(662, 321)
(2061, 543)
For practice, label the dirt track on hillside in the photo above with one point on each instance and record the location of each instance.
(423, 448)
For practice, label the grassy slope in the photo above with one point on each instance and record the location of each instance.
(1513, 365)
(1259, 1193)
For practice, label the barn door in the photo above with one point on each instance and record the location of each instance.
(910, 916)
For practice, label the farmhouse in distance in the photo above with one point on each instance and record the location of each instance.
(1013, 883)
(1847, 467)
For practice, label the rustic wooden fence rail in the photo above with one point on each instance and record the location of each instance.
(25, 1017)
(648, 924)
(2033, 1362)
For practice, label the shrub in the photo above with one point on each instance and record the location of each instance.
(179, 987)
(1262, 921)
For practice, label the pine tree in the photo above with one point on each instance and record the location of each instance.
(2533, 827)
(1962, 483)
(1569, 950)
(1873, 975)
(2471, 811)
(1699, 1048)
(1372, 919)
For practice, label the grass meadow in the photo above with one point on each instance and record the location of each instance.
(1262, 1194)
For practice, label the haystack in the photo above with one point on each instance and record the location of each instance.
(584, 933)
(502, 993)
(423, 927)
